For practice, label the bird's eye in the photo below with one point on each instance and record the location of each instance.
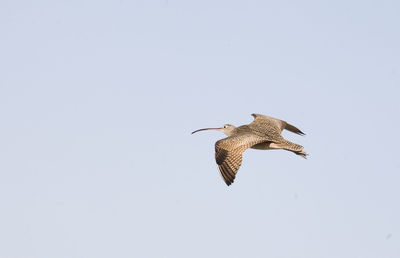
(225, 126)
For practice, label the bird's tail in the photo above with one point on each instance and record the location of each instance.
(293, 147)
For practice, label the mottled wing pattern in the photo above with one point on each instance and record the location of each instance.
(269, 128)
(228, 154)
(277, 123)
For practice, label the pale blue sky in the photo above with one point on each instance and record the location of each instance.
(98, 99)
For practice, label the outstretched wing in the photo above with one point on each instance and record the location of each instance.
(277, 123)
(228, 154)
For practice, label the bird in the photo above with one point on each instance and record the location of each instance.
(264, 133)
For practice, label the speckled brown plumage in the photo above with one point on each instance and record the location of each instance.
(263, 133)
(228, 153)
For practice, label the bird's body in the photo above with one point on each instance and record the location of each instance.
(263, 133)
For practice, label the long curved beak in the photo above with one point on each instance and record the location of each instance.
(206, 129)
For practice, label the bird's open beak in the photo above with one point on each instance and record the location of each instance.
(206, 129)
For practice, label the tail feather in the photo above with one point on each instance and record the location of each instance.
(287, 145)
(295, 148)
(301, 153)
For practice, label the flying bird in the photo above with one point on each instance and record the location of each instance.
(264, 133)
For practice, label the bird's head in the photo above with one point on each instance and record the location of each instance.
(226, 129)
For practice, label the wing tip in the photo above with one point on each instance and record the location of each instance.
(294, 129)
(229, 182)
(301, 133)
(228, 178)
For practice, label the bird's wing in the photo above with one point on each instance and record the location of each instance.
(228, 153)
(293, 129)
(276, 123)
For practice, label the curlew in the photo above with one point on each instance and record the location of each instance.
(264, 133)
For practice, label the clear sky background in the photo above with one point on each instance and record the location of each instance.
(98, 99)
